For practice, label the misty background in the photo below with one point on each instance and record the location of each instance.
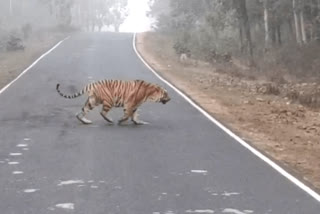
(22, 19)
(274, 36)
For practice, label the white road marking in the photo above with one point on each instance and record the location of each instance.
(227, 194)
(62, 183)
(199, 211)
(33, 64)
(15, 154)
(69, 206)
(204, 172)
(17, 172)
(13, 163)
(94, 187)
(22, 145)
(275, 166)
(25, 149)
(234, 211)
(30, 190)
(118, 187)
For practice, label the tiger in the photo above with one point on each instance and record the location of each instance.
(128, 94)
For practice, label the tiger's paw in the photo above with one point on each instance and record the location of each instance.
(107, 118)
(110, 121)
(140, 122)
(123, 122)
(84, 120)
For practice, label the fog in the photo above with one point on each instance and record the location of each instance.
(15, 13)
(26, 18)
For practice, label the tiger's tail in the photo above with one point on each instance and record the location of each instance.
(72, 95)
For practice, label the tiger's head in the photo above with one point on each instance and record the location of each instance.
(159, 94)
(165, 97)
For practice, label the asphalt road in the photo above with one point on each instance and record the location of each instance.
(180, 163)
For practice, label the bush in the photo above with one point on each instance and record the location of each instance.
(14, 43)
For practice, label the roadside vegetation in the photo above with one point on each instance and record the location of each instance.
(278, 41)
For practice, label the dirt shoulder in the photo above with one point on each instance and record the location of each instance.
(288, 133)
(12, 63)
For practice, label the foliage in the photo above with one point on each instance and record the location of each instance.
(242, 27)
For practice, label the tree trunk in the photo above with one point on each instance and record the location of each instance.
(290, 27)
(244, 19)
(241, 38)
(296, 21)
(10, 7)
(303, 29)
(273, 32)
(279, 35)
(266, 25)
(316, 26)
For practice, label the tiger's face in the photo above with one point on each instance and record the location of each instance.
(157, 94)
(165, 97)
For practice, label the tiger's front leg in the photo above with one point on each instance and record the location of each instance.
(105, 109)
(135, 119)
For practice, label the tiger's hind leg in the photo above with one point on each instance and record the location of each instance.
(89, 105)
(135, 119)
(127, 114)
(105, 109)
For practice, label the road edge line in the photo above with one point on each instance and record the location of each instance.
(32, 65)
(271, 163)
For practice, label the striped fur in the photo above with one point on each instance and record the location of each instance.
(118, 93)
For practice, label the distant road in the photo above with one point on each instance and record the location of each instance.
(180, 163)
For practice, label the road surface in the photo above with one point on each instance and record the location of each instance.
(180, 163)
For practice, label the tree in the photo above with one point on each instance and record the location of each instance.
(118, 12)
(296, 21)
(245, 25)
(266, 23)
(98, 13)
(207, 26)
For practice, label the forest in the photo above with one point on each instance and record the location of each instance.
(19, 19)
(279, 37)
